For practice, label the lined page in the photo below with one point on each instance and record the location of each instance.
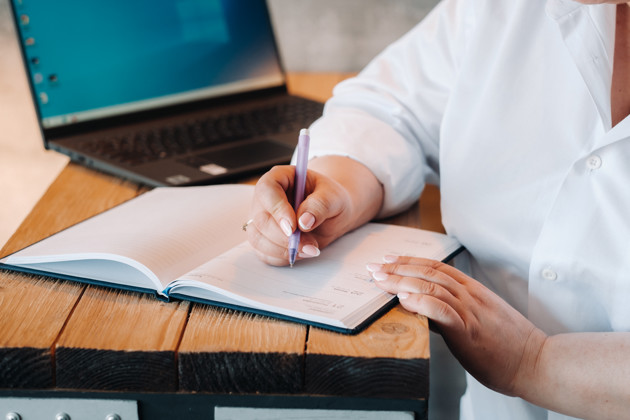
(165, 233)
(333, 286)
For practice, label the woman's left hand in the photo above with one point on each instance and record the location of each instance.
(491, 339)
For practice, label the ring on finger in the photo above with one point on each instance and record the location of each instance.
(244, 225)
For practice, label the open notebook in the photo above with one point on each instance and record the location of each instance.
(187, 243)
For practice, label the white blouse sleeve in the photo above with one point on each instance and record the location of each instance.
(388, 117)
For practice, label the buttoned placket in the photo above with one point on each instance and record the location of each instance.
(592, 56)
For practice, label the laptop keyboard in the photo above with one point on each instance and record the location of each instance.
(162, 142)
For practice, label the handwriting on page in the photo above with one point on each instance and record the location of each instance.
(336, 283)
(322, 286)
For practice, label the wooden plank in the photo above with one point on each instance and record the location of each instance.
(33, 310)
(390, 359)
(227, 351)
(119, 340)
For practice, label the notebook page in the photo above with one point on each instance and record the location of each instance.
(163, 233)
(333, 286)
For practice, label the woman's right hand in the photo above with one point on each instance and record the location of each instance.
(333, 205)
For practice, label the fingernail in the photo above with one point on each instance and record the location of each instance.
(372, 268)
(310, 250)
(403, 295)
(379, 276)
(286, 227)
(307, 221)
(390, 258)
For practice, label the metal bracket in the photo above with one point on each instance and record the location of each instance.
(67, 409)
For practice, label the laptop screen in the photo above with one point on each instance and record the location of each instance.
(92, 59)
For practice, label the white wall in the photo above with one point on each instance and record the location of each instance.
(340, 35)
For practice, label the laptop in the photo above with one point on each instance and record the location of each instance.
(161, 92)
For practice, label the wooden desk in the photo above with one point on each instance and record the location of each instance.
(64, 339)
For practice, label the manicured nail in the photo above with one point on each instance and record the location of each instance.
(379, 276)
(307, 220)
(310, 251)
(403, 295)
(372, 268)
(390, 258)
(286, 227)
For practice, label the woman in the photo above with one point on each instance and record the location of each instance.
(519, 110)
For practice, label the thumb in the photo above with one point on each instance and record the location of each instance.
(318, 207)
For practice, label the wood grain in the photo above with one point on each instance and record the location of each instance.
(119, 340)
(398, 334)
(229, 351)
(122, 320)
(389, 359)
(33, 310)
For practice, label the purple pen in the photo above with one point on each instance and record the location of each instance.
(300, 182)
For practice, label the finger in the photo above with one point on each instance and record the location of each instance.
(444, 315)
(396, 284)
(268, 240)
(272, 259)
(321, 204)
(276, 253)
(308, 247)
(271, 195)
(403, 273)
(429, 266)
(264, 227)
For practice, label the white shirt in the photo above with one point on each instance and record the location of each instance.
(506, 104)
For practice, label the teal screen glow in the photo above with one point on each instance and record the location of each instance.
(89, 55)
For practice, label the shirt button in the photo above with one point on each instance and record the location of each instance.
(549, 274)
(593, 162)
